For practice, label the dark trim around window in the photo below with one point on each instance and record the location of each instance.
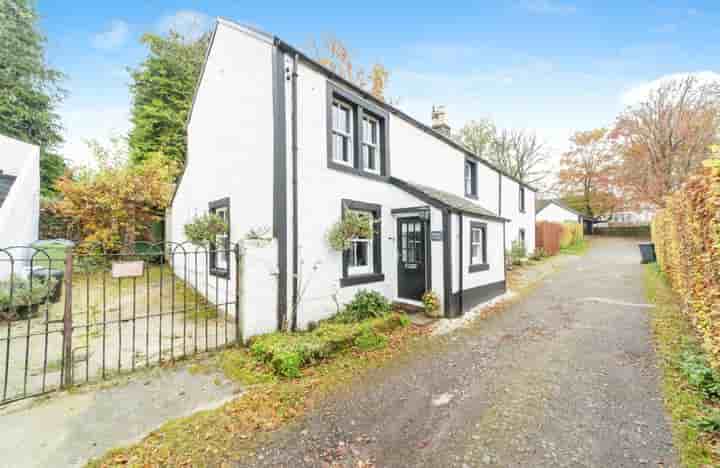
(479, 266)
(360, 107)
(377, 274)
(473, 193)
(522, 199)
(213, 206)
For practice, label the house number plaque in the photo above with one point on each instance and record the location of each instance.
(127, 269)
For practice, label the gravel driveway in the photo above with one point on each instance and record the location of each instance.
(564, 377)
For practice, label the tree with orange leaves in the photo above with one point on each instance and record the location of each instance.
(665, 138)
(115, 203)
(587, 173)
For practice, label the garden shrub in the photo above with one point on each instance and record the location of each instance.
(700, 375)
(18, 293)
(686, 233)
(517, 252)
(288, 353)
(366, 304)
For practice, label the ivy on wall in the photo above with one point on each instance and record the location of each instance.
(686, 233)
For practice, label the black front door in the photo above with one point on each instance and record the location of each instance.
(411, 258)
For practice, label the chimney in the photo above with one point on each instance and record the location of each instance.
(439, 120)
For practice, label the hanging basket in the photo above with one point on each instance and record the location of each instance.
(352, 226)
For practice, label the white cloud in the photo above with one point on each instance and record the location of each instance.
(190, 24)
(91, 123)
(640, 92)
(548, 7)
(115, 36)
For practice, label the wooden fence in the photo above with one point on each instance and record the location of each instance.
(547, 236)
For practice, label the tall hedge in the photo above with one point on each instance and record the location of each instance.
(686, 233)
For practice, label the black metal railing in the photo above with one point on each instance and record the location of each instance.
(73, 317)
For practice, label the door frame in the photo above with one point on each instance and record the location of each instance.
(423, 215)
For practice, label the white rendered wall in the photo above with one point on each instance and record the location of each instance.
(518, 220)
(422, 158)
(19, 214)
(319, 198)
(230, 154)
(556, 214)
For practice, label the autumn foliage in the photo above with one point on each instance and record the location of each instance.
(587, 173)
(665, 138)
(686, 234)
(117, 204)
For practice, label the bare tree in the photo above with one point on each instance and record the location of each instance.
(520, 154)
(663, 139)
(477, 136)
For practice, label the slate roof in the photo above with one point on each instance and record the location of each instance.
(541, 204)
(6, 181)
(445, 199)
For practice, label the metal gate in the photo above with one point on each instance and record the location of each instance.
(68, 318)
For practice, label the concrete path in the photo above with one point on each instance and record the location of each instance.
(565, 377)
(68, 429)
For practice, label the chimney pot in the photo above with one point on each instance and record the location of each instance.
(439, 120)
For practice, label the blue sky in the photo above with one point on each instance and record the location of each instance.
(552, 66)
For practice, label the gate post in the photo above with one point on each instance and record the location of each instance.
(239, 273)
(67, 379)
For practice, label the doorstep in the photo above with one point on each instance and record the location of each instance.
(416, 313)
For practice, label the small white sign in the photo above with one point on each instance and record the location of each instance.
(127, 269)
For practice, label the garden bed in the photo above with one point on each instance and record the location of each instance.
(286, 354)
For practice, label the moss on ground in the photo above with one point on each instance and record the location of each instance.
(223, 436)
(675, 339)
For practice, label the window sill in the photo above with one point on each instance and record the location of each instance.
(358, 172)
(479, 267)
(361, 279)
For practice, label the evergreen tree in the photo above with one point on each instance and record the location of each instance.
(29, 89)
(162, 89)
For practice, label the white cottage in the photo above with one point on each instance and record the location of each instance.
(19, 200)
(557, 212)
(277, 140)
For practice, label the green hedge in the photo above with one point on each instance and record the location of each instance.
(622, 231)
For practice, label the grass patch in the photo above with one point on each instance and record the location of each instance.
(686, 383)
(578, 248)
(224, 436)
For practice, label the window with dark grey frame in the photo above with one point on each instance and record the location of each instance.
(478, 247)
(521, 237)
(522, 199)
(220, 249)
(470, 179)
(362, 263)
(358, 135)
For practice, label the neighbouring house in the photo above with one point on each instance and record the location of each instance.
(556, 211)
(19, 202)
(277, 140)
(634, 217)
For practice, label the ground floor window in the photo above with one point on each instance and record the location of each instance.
(362, 261)
(220, 249)
(478, 247)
